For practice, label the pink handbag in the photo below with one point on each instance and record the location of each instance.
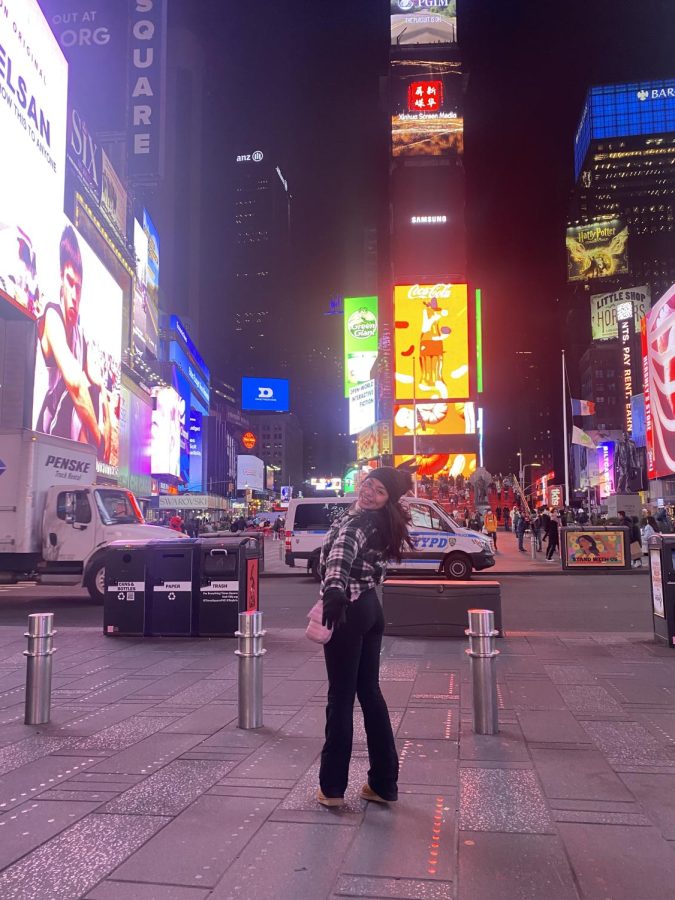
(315, 631)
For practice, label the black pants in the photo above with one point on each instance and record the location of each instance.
(552, 547)
(353, 666)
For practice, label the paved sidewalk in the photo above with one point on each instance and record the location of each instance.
(143, 787)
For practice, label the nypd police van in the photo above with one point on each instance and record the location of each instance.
(440, 545)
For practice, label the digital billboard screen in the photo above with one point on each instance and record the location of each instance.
(417, 22)
(146, 287)
(431, 342)
(361, 406)
(658, 348)
(361, 337)
(166, 433)
(597, 250)
(33, 115)
(426, 115)
(604, 325)
(79, 349)
(434, 418)
(449, 464)
(196, 481)
(265, 394)
(250, 473)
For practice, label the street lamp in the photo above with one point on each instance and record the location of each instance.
(523, 466)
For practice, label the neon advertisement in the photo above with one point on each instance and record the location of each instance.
(448, 464)
(659, 370)
(431, 342)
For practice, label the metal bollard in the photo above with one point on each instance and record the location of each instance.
(482, 653)
(533, 542)
(39, 668)
(250, 653)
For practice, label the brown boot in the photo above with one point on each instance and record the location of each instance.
(367, 793)
(329, 801)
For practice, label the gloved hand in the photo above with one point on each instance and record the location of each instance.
(334, 608)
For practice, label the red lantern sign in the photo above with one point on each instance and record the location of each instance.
(425, 96)
(249, 440)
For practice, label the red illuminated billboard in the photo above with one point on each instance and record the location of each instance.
(658, 345)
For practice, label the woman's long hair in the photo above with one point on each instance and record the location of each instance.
(393, 521)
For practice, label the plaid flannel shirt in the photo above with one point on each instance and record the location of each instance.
(347, 561)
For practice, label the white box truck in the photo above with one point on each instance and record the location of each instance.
(54, 519)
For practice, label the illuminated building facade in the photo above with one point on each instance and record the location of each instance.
(432, 329)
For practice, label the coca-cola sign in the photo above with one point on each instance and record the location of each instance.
(427, 291)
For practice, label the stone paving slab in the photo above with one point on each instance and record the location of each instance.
(514, 866)
(144, 762)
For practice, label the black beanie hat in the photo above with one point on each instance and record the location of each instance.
(396, 481)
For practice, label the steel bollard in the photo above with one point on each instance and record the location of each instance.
(533, 542)
(482, 654)
(250, 653)
(39, 668)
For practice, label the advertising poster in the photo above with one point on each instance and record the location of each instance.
(166, 433)
(93, 37)
(434, 418)
(426, 115)
(182, 387)
(656, 575)
(250, 473)
(114, 200)
(33, 116)
(195, 482)
(604, 325)
(659, 364)
(361, 337)
(151, 285)
(140, 288)
(135, 442)
(374, 441)
(415, 22)
(597, 250)
(450, 464)
(80, 334)
(361, 406)
(595, 550)
(431, 342)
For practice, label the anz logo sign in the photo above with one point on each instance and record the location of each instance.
(256, 156)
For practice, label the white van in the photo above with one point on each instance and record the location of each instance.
(441, 546)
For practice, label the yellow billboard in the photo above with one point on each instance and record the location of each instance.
(434, 418)
(431, 342)
(450, 464)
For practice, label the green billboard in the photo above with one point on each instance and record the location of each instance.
(360, 315)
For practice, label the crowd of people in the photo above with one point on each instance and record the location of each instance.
(195, 525)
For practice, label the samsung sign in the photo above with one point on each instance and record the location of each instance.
(265, 394)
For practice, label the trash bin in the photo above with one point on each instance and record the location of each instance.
(170, 582)
(228, 570)
(124, 601)
(661, 550)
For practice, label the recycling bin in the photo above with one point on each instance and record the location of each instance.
(170, 578)
(661, 549)
(227, 584)
(124, 601)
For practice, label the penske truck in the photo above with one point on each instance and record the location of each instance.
(55, 521)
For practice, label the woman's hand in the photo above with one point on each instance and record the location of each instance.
(334, 608)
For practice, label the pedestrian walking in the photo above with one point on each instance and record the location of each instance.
(649, 529)
(552, 536)
(520, 529)
(536, 530)
(352, 565)
(490, 522)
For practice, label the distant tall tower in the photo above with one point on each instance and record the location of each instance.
(259, 260)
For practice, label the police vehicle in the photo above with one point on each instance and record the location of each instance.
(440, 545)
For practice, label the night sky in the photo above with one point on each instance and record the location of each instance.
(302, 78)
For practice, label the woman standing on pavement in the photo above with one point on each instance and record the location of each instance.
(352, 565)
(552, 536)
